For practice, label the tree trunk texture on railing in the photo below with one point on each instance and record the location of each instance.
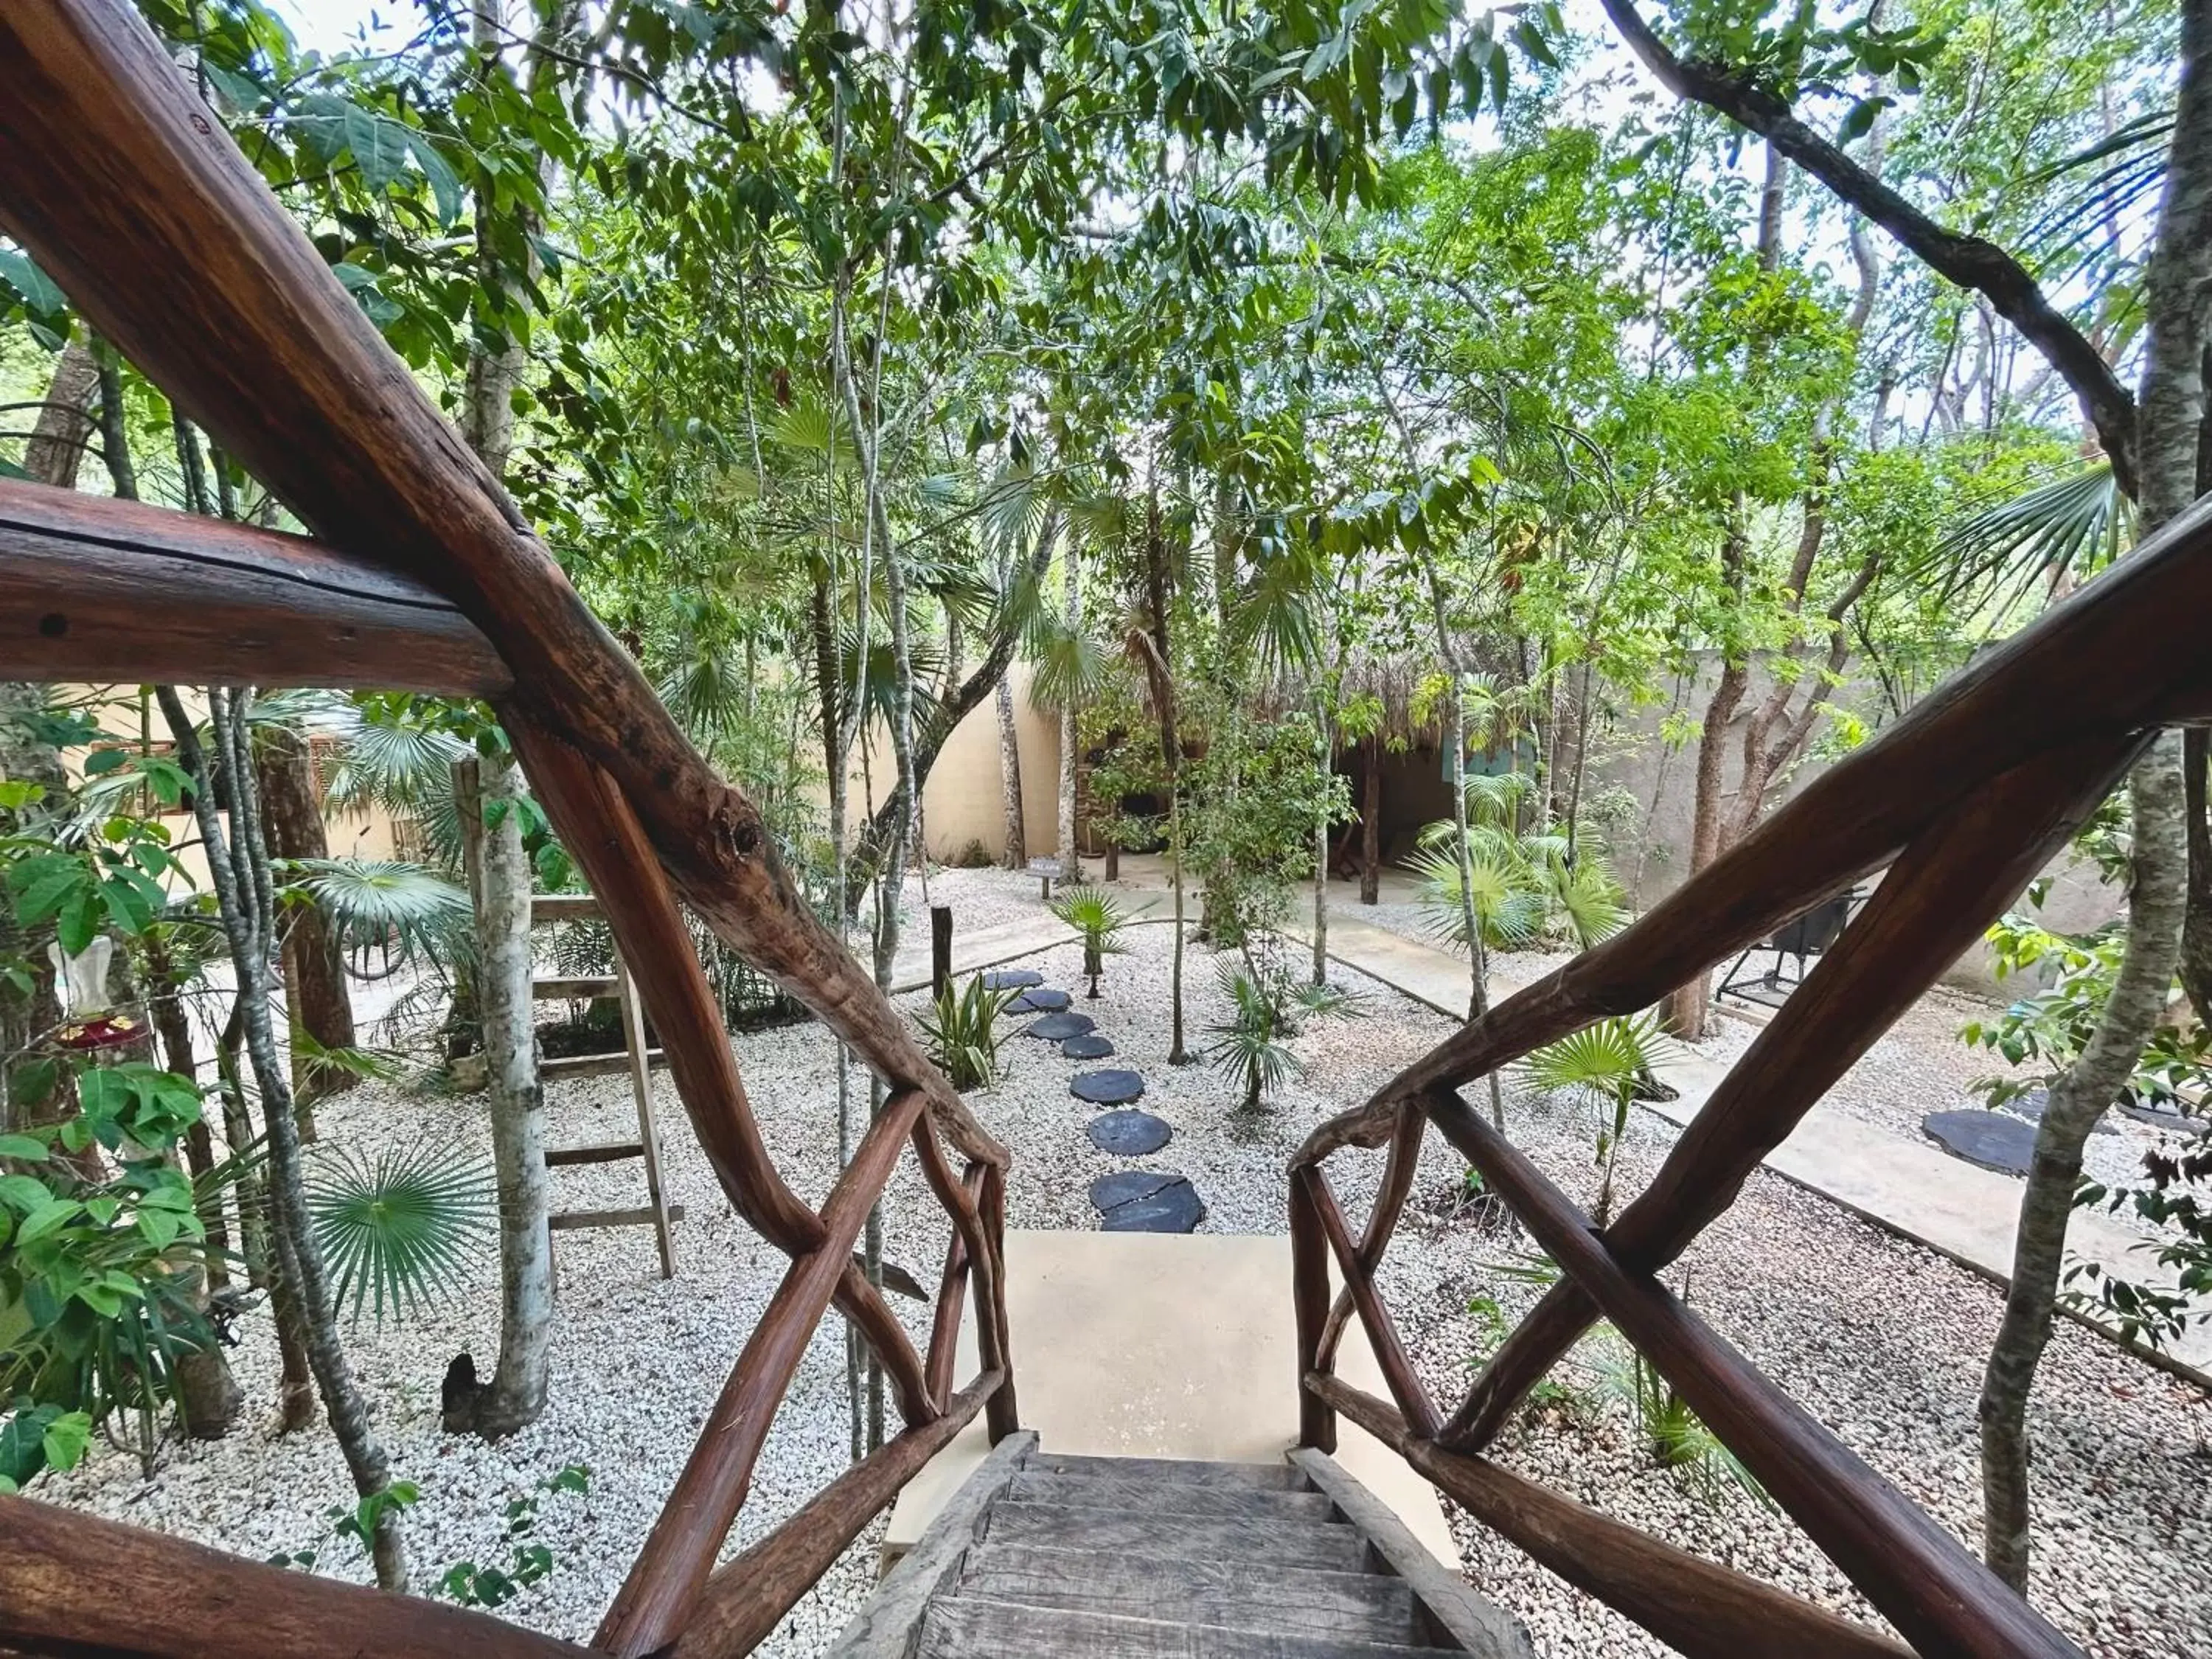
(1702, 1609)
(1934, 904)
(116, 181)
(1920, 1577)
(664, 1585)
(73, 1584)
(744, 1602)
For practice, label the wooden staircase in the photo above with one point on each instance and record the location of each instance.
(1039, 1555)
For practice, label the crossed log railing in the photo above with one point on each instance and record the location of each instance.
(1963, 801)
(422, 576)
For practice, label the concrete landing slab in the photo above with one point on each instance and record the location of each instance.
(1138, 1344)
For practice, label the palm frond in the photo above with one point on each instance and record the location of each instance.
(2073, 526)
(403, 1230)
(1603, 1061)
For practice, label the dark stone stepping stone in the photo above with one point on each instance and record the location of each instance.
(1130, 1134)
(1123, 1187)
(2030, 1108)
(1172, 1207)
(1111, 1087)
(1093, 1046)
(1058, 1028)
(1041, 1000)
(1012, 978)
(1992, 1140)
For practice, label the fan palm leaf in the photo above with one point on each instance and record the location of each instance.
(2073, 526)
(403, 1230)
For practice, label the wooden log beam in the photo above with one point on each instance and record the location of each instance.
(95, 589)
(73, 1584)
(1390, 1356)
(134, 198)
(1693, 1605)
(1310, 1310)
(1949, 886)
(1400, 1166)
(952, 1302)
(665, 1583)
(743, 1601)
(968, 1201)
(1921, 1579)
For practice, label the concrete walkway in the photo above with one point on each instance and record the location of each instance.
(1909, 1187)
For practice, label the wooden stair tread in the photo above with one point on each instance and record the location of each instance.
(1107, 1491)
(962, 1626)
(1361, 1606)
(1278, 1477)
(1255, 1543)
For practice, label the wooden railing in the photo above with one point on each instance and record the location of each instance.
(1964, 800)
(424, 576)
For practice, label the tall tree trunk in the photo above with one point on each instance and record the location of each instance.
(499, 882)
(1324, 754)
(1071, 856)
(56, 447)
(1686, 1008)
(239, 867)
(2196, 926)
(2169, 433)
(1370, 823)
(1010, 775)
(316, 999)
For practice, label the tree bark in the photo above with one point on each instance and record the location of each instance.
(1370, 825)
(56, 447)
(2076, 1101)
(239, 868)
(1323, 759)
(1010, 776)
(316, 999)
(1071, 857)
(499, 879)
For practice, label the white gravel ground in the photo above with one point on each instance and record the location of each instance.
(1878, 1338)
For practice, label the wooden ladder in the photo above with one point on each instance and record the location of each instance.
(636, 1058)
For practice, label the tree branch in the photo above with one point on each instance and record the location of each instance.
(1968, 261)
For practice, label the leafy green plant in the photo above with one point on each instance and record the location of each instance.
(1526, 888)
(36, 1438)
(474, 1586)
(1603, 1064)
(402, 1229)
(963, 1030)
(1098, 916)
(1267, 1006)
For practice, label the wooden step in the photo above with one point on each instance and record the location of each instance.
(1360, 1606)
(965, 1627)
(1278, 1477)
(606, 1151)
(1109, 1491)
(564, 1066)
(582, 988)
(1328, 1544)
(571, 1220)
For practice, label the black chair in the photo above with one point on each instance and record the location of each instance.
(1802, 939)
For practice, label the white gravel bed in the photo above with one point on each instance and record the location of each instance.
(1880, 1339)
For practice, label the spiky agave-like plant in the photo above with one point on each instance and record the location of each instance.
(963, 1030)
(404, 1229)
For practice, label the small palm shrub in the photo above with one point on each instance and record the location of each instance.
(1267, 1006)
(1675, 1435)
(1604, 1064)
(963, 1030)
(402, 1230)
(1098, 915)
(1525, 888)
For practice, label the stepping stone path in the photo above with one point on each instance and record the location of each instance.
(1110, 1087)
(1132, 1135)
(1012, 978)
(1093, 1046)
(1039, 999)
(1058, 1028)
(2030, 1107)
(1992, 1140)
(1140, 1201)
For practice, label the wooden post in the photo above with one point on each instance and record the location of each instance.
(1309, 1305)
(940, 949)
(648, 1134)
(1370, 823)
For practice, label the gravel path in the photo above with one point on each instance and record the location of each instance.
(1878, 1338)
